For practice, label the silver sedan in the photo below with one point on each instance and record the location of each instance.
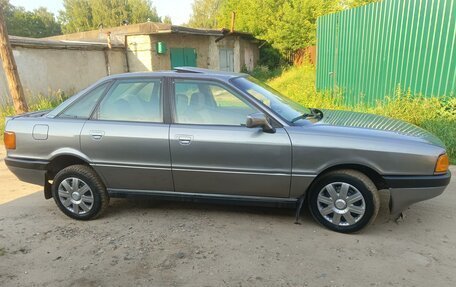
(199, 135)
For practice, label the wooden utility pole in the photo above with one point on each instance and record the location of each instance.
(233, 18)
(10, 68)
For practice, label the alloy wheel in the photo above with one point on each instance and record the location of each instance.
(341, 204)
(76, 195)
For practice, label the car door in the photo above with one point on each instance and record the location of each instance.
(127, 139)
(213, 151)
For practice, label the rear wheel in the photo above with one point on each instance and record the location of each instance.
(79, 192)
(344, 201)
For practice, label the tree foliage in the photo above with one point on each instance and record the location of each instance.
(357, 3)
(204, 13)
(167, 20)
(285, 24)
(83, 15)
(36, 24)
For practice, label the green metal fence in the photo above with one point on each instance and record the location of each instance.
(367, 52)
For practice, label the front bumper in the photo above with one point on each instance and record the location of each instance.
(31, 171)
(407, 190)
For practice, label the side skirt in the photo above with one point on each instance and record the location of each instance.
(206, 198)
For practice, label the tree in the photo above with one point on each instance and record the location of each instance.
(285, 24)
(299, 19)
(83, 15)
(204, 13)
(252, 16)
(167, 20)
(357, 3)
(47, 23)
(76, 16)
(37, 23)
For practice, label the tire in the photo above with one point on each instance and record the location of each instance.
(90, 199)
(353, 206)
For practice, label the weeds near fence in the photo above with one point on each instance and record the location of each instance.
(437, 115)
(263, 73)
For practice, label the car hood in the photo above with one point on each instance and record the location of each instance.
(374, 122)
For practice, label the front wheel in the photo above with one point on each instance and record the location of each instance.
(344, 201)
(79, 192)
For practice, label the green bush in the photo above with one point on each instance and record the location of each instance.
(270, 57)
(263, 73)
(437, 115)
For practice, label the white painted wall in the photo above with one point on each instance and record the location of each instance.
(139, 52)
(44, 71)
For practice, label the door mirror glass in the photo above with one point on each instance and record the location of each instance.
(259, 120)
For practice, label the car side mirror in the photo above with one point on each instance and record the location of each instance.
(259, 120)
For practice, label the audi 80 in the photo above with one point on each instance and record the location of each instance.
(200, 135)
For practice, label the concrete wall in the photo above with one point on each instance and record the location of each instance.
(142, 54)
(139, 53)
(198, 42)
(250, 54)
(46, 67)
(44, 71)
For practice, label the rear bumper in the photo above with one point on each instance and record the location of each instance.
(27, 170)
(407, 190)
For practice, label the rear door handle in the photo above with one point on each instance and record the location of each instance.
(97, 135)
(185, 139)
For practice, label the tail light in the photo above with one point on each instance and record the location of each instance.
(9, 139)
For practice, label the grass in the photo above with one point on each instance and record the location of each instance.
(437, 115)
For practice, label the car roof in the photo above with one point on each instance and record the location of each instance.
(181, 72)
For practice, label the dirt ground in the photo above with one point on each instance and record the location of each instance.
(156, 243)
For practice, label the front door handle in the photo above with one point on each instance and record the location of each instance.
(96, 135)
(184, 139)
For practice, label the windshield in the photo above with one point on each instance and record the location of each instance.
(283, 106)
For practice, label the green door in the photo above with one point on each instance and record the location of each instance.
(183, 57)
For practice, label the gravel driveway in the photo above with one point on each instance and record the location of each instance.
(156, 243)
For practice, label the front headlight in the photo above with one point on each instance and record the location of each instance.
(442, 165)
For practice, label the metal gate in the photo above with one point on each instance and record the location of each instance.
(226, 59)
(183, 57)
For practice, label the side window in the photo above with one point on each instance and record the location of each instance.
(82, 109)
(132, 100)
(209, 103)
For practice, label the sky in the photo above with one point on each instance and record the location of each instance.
(178, 10)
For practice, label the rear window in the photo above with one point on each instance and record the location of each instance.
(82, 108)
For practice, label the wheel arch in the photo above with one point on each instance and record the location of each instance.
(371, 173)
(62, 161)
(58, 162)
